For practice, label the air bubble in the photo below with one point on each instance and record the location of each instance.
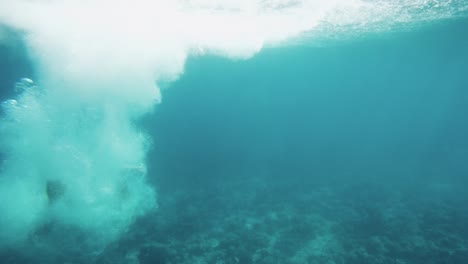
(9, 104)
(24, 84)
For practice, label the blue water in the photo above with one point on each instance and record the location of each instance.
(340, 151)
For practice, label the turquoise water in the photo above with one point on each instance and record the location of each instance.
(351, 152)
(325, 150)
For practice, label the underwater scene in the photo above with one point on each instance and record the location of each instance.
(224, 132)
